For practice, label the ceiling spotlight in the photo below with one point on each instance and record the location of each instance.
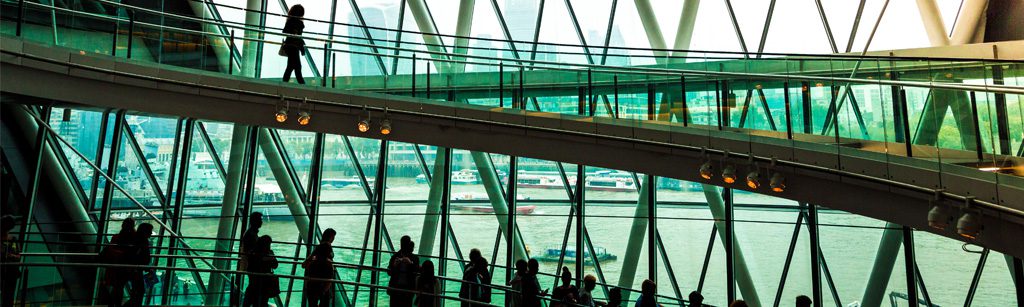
(364, 125)
(777, 183)
(303, 118)
(281, 115)
(939, 217)
(729, 174)
(753, 179)
(706, 170)
(385, 127)
(969, 225)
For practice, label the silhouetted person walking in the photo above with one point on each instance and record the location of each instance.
(517, 283)
(531, 286)
(696, 299)
(565, 295)
(261, 261)
(803, 301)
(476, 280)
(118, 252)
(648, 294)
(140, 256)
(402, 269)
(9, 274)
(429, 287)
(294, 46)
(320, 264)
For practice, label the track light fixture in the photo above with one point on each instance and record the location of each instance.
(282, 111)
(364, 125)
(729, 174)
(303, 118)
(706, 170)
(939, 217)
(385, 125)
(777, 183)
(969, 225)
(753, 179)
(282, 115)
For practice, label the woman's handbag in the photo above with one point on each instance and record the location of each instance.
(280, 51)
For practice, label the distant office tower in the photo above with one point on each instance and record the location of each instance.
(378, 15)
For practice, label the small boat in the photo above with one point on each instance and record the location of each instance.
(461, 177)
(552, 255)
(464, 201)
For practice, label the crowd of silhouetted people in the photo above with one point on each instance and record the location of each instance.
(412, 282)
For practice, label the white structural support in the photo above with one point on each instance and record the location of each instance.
(970, 25)
(425, 24)
(253, 35)
(463, 28)
(684, 31)
(933, 25)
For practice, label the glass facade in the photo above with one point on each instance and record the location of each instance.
(177, 172)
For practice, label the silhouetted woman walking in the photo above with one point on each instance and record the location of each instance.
(294, 46)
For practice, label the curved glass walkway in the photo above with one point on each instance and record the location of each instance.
(954, 118)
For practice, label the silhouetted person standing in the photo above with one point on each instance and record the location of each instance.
(249, 238)
(429, 287)
(803, 301)
(586, 296)
(696, 299)
(476, 280)
(320, 265)
(738, 303)
(531, 286)
(564, 295)
(9, 274)
(294, 46)
(517, 283)
(648, 294)
(246, 247)
(261, 261)
(402, 269)
(614, 297)
(119, 251)
(141, 256)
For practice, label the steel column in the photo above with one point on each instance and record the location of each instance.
(229, 207)
(744, 280)
(379, 183)
(108, 189)
(636, 239)
(434, 200)
(815, 249)
(881, 269)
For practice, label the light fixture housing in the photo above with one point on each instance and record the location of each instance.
(729, 174)
(364, 125)
(753, 179)
(707, 170)
(777, 183)
(281, 115)
(969, 225)
(303, 118)
(939, 217)
(385, 127)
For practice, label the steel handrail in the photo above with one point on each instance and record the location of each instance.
(667, 72)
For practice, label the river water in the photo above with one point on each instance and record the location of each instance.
(763, 236)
